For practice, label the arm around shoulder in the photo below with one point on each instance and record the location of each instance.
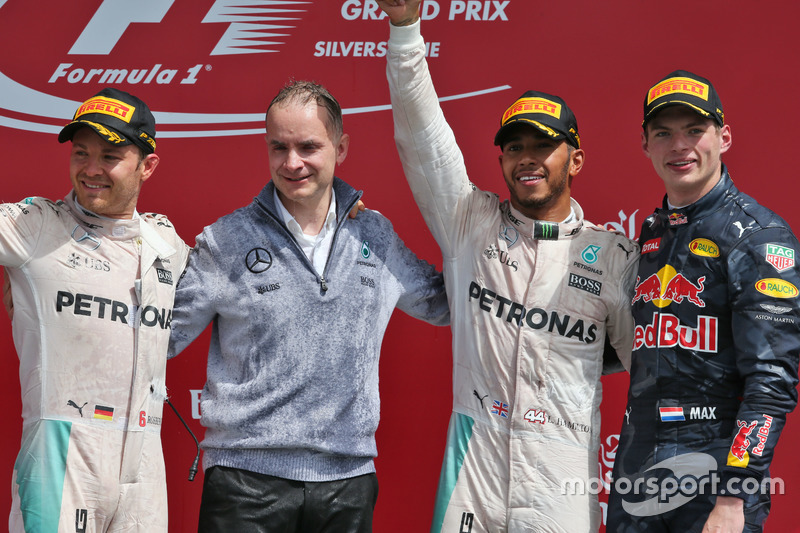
(194, 307)
(422, 287)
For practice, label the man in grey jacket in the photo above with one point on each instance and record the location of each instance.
(299, 297)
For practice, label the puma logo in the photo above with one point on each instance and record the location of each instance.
(75, 405)
(479, 397)
(627, 252)
(742, 228)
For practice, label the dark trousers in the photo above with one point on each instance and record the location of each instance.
(640, 441)
(240, 501)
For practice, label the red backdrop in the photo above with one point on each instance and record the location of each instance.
(208, 68)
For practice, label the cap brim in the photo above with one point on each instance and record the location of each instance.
(107, 133)
(550, 132)
(663, 105)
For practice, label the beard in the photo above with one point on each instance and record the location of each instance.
(557, 186)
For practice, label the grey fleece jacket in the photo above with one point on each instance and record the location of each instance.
(292, 384)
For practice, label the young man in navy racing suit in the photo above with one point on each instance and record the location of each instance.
(715, 353)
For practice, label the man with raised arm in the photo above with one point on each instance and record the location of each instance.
(535, 290)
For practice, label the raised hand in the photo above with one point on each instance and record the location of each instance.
(401, 12)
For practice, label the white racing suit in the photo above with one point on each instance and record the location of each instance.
(92, 309)
(531, 305)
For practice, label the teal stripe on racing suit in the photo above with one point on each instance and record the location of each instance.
(41, 466)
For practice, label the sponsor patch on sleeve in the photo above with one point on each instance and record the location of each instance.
(776, 287)
(780, 257)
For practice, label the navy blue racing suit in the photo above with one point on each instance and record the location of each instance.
(714, 365)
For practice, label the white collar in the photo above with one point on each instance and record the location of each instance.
(101, 217)
(291, 222)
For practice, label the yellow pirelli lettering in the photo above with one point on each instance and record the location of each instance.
(678, 85)
(533, 105)
(106, 106)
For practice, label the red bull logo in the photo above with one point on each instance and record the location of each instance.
(667, 286)
(677, 219)
(666, 331)
(738, 455)
(763, 436)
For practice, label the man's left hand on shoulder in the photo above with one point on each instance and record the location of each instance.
(357, 209)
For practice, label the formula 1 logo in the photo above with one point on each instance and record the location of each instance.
(466, 522)
(667, 286)
(86, 61)
(227, 51)
(252, 25)
(81, 520)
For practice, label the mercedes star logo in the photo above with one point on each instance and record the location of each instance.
(91, 241)
(258, 260)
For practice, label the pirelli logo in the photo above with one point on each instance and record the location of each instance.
(533, 105)
(106, 106)
(678, 85)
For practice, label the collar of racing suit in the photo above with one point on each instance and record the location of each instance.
(701, 208)
(92, 226)
(543, 229)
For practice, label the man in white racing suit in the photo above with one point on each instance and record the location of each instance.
(534, 292)
(93, 284)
